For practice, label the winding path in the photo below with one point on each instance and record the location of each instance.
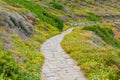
(58, 65)
(93, 23)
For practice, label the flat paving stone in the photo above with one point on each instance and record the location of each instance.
(58, 65)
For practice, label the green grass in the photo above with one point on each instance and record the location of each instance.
(56, 5)
(93, 17)
(40, 12)
(96, 63)
(105, 33)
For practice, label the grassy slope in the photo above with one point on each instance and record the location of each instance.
(96, 63)
(105, 33)
(30, 49)
(27, 61)
(85, 7)
(40, 12)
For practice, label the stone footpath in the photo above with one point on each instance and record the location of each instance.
(58, 65)
(94, 23)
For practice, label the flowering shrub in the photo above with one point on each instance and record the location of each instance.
(9, 69)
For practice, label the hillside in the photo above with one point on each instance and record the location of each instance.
(26, 24)
(21, 36)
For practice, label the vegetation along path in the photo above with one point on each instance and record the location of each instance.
(58, 65)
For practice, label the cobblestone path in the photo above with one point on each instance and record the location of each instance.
(58, 65)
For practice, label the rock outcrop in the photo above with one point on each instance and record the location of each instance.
(17, 20)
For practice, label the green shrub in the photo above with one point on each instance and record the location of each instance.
(56, 5)
(93, 17)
